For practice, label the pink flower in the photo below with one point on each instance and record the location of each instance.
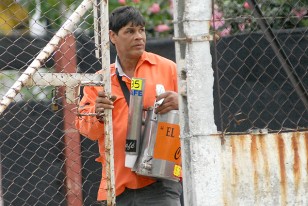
(217, 19)
(162, 28)
(246, 5)
(122, 2)
(241, 27)
(155, 8)
(136, 1)
(300, 13)
(218, 14)
(226, 31)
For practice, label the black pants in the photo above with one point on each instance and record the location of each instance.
(160, 193)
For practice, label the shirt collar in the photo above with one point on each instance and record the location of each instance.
(147, 57)
(144, 57)
(119, 68)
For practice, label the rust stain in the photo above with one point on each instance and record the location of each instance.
(260, 150)
(225, 181)
(296, 165)
(234, 181)
(281, 154)
(265, 158)
(254, 156)
(242, 139)
(306, 143)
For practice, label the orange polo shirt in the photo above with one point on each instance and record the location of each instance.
(155, 70)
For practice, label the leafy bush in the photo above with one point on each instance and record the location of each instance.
(157, 13)
(237, 16)
(229, 16)
(53, 13)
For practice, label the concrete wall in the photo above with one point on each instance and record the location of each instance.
(265, 169)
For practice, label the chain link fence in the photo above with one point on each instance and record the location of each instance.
(261, 79)
(261, 65)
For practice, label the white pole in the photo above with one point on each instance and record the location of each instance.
(68, 27)
(105, 61)
(201, 156)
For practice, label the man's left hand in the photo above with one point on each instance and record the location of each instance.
(170, 102)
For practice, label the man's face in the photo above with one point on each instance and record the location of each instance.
(130, 41)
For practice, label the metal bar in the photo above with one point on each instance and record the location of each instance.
(97, 27)
(65, 79)
(66, 61)
(1, 193)
(283, 59)
(70, 80)
(104, 56)
(66, 29)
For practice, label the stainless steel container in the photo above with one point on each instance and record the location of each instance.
(160, 151)
(134, 121)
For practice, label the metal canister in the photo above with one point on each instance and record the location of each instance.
(134, 121)
(160, 152)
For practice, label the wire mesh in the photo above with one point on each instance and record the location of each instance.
(252, 89)
(261, 63)
(43, 157)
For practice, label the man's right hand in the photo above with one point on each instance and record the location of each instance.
(102, 102)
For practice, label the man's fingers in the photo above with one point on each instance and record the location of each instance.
(162, 96)
(104, 102)
(113, 98)
(164, 108)
(105, 99)
(169, 103)
(100, 110)
(100, 116)
(102, 94)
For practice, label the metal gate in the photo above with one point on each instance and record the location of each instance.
(259, 61)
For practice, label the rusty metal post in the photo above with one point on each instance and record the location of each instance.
(66, 62)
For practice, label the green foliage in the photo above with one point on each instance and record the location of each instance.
(153, 19)
(279, 14)
(56, 13)
(231, 15)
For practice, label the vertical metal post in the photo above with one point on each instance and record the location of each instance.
(66, 62)
(201, 155)
(104, 55)
(1, 193)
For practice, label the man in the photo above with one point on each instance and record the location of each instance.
(127, 34)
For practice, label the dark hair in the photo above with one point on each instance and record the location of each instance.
(123, 15)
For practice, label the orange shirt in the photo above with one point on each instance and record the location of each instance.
(155, 70)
